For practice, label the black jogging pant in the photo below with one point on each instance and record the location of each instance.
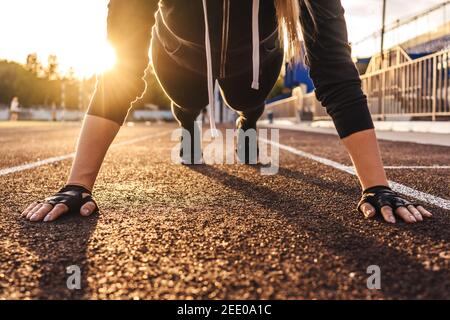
(181, 70)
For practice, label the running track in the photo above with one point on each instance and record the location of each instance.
(220, 231)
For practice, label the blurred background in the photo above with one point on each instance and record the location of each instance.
(52, 49)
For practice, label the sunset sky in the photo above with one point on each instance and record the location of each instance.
(75, 30)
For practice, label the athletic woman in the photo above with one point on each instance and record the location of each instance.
(241, 45)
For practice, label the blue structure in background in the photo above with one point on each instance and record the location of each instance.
(428, 47)
(299, 73)
(363, 60)
(296, 75)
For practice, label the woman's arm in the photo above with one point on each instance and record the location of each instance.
(364, 152)
(338, 87)
(95, 138)
(129, 31)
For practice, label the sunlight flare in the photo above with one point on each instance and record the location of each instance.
(99, 59)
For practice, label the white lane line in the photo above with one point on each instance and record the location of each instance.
(416, 167)
(400, 188)
(411, 167)
(33, 165)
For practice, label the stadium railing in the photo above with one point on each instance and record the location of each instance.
(412, 89)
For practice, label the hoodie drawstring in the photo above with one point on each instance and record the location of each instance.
(255, 59)
(255, 37)
(212, 107)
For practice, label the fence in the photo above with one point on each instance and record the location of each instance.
(416, 88)
(47, 114)
(286, 108)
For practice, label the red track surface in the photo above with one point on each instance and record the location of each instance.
(167, 231)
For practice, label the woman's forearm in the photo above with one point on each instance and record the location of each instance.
(95, 138)
(365, 154)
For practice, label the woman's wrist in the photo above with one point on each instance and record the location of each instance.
(375, 183)
(364, 151)
(87, 186)
(376, 187)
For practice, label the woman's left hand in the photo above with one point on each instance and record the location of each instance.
(384, 201)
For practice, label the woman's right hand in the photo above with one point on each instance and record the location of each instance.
(383, 200)
(70, 199)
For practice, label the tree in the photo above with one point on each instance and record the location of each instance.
(33, 90)
(51, 72)
(36, 85)
(17, 80)
(33, 65)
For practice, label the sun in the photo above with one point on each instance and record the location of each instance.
(104, 59)
(93, 60)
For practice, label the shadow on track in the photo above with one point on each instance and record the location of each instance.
(59, 245)
(402, 275)
(437, 229)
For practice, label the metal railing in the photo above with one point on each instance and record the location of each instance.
(285, 108)
(416, 88)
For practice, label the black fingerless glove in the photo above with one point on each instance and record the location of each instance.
(72, 197)
(380, 196)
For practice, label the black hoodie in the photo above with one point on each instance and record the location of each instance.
(328, 53)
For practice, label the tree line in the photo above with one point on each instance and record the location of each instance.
(36, 84)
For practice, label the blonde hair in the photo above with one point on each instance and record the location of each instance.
(288, 14)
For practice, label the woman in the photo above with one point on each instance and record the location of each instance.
(237, 43)
(14, 109)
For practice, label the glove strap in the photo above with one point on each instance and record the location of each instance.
(73, 187)
(72, 197)
(376, 189)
